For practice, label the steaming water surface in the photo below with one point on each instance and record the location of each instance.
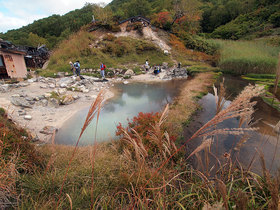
(127, 103)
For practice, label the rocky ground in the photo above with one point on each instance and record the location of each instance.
(42, 105)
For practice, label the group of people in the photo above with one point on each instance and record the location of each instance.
(157, 68)
(76, 69)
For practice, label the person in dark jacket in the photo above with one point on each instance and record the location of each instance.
(77, 67)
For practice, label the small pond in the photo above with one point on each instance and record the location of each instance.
(129, 100)
(265, 139)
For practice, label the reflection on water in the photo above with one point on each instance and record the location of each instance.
(128, 102)
(265, 139)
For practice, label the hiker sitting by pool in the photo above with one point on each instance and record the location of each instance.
(156, 70)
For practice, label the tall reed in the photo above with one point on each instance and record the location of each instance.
(93, 111)
(240, 107)
(277, 76)
(244, 57)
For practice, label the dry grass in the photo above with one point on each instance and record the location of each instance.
(8, 177)
(93, 111)
(139, 150)
(277, 76)
(185, 105)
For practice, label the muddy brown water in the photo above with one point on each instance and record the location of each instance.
(264, 140)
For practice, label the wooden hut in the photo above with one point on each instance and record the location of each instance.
(12, 64)
(137, 19)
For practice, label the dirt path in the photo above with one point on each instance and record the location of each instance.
(148, 34)
(185, 104)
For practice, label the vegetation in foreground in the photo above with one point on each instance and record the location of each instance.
(146, 168)
(17, 157)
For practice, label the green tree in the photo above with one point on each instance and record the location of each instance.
(102, 14)
(138, 7)
(34, 40)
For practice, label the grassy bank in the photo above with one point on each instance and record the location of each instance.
(185, 105)
(18, 156)
(244, 57)
(90, 50)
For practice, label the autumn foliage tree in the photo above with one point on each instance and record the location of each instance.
(162, 20)
(187, 15)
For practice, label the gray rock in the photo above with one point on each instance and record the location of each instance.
(23, 84)
(44, 102)
(63, 85)
(164, 65)
(48, 130)
(43, 86)
(84, 90)
(28, 117)
(47, 95)
(30, 80)
(52, 85)
(29, 98)
(21, 112)
(65, 81)
(76, 97)
(5, 88)
(54, 102)
(37, 98)
(69, 99)
(60, 74)
(62, 91)
(129, 72)
(34, 137)
(19, 101)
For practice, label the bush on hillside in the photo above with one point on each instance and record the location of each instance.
(275, 19)
(143, 46)
(245, 25)
(109, 37)
(200, 44)
(117, 48)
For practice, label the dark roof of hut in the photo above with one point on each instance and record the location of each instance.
(136, 19)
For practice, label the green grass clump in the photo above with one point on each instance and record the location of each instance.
(202, 68)
(244, 57)
(137, 70)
